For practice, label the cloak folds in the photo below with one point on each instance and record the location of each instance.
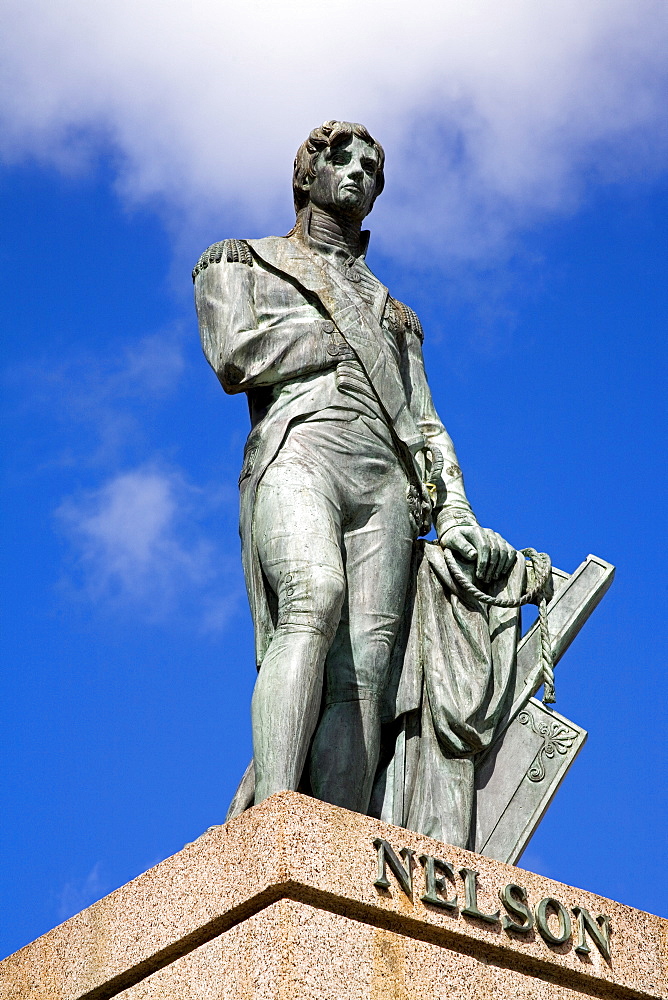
(451, 687)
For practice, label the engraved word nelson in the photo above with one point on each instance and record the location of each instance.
(520, 917)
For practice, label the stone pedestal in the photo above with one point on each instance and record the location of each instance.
(283, 902)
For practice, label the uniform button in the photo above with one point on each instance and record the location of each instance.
(328, 326)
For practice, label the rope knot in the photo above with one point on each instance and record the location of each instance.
(539, 591)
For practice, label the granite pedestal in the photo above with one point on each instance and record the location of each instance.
(287, 901)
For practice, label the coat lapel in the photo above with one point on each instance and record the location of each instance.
(357, 321)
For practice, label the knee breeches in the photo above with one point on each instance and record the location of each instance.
(334, 535)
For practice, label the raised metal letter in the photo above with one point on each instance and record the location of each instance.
(598, 929)
(514, 898)
(564, 921)
(471, 889)
(386, 855)
(435, 884)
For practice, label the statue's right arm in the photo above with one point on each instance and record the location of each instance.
(454, 520)
(248, 336)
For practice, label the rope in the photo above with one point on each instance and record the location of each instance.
(539, 572)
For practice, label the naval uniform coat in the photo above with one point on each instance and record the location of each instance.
(274, 312)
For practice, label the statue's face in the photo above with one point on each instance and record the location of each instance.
(345, 179)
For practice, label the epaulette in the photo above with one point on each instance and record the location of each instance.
(232, 251)
(411, 320)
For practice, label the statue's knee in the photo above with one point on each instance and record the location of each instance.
(329, 588)
(318, 589)
(312, 599)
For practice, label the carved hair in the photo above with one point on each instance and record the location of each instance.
(331, 134)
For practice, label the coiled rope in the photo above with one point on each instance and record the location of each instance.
(539, 579)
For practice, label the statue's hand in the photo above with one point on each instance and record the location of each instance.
(493, 555)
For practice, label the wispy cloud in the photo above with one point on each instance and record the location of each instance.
(80, 893)
(144, 540)
(532, 862)
(102, 401)
(153, 365)
(139, 542)
(493, 114)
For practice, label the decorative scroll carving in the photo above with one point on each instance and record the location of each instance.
(556, 737)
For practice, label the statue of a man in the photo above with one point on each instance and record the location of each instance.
(346, 465)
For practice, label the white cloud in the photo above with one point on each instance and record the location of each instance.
(139, 542)
(143, 538)
(150, 367)
(492, 112)
(80, 893)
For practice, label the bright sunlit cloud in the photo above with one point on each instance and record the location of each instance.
(139, 543)
(127, 534)
(493, 114)
(142, 537)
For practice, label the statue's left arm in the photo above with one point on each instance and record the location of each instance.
(456, 525)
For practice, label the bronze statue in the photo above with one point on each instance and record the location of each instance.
(364, 640)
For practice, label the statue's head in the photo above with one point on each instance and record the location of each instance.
(339, 168)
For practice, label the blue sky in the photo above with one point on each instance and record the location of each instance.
(533, 247)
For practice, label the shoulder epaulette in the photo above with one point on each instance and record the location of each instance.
(411, 320)
(232, 251)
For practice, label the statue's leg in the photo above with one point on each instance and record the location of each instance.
(297, 536)
(344, 756)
